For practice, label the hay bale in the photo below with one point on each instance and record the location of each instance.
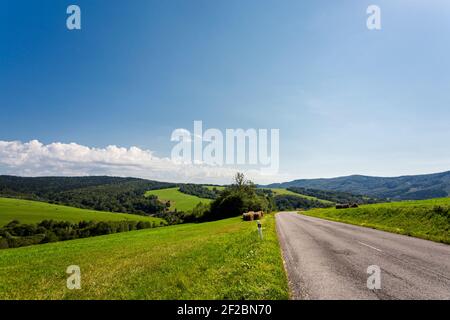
(248, 216)
(342, 206)
(257, 215)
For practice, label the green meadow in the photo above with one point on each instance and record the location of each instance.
(282, 192)
(220, 188)
(178, 200)
(427, 219)
(216, 260)
(33, 212)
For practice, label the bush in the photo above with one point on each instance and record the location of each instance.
(198, 213)
(229, 206)
(440, 210)
(3, 243)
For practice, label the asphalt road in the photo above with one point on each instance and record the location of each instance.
(329, 260)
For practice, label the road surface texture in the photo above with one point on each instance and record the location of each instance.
(329, 260)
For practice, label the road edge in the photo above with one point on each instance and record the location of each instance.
(293, 295)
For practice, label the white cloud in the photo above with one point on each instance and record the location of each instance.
(60, 159)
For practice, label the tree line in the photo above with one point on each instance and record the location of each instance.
(335, 196)
(200, 191)
(16, 234)
(112, 194)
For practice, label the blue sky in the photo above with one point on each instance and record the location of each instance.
(346, 100)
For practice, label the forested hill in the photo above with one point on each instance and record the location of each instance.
(417, 187)
(335, 196)
(96, 192)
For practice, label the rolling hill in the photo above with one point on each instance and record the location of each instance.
(178, 200)
(286, 192)
(34, 211)
(416, 187)
(101, 193)
(42, 186)
(216, 260)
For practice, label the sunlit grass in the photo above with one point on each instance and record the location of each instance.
(216, 260)
(427, 219)
(33, 212)
(178, 200)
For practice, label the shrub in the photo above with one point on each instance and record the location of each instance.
(198, 213)
(3, 243)
(50, 236)
(440, 210)
(228, 206)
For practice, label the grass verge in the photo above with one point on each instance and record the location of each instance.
(427, 219)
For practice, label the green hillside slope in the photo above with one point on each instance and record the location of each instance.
(428, 219)
(33, 212)
(282, 191)
(216, 260)
(178, 200)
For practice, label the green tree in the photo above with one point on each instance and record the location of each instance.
(238, 198)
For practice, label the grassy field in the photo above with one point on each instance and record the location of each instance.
(185, 202)
(220, 188)
(33, 212)
(427, 219)
(281, 191)
(178, 200)
(215, 260)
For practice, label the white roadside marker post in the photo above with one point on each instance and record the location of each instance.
(260, 230)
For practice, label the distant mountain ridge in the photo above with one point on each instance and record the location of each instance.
(414, 187)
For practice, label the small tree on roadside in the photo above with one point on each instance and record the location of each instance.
(236, 199)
